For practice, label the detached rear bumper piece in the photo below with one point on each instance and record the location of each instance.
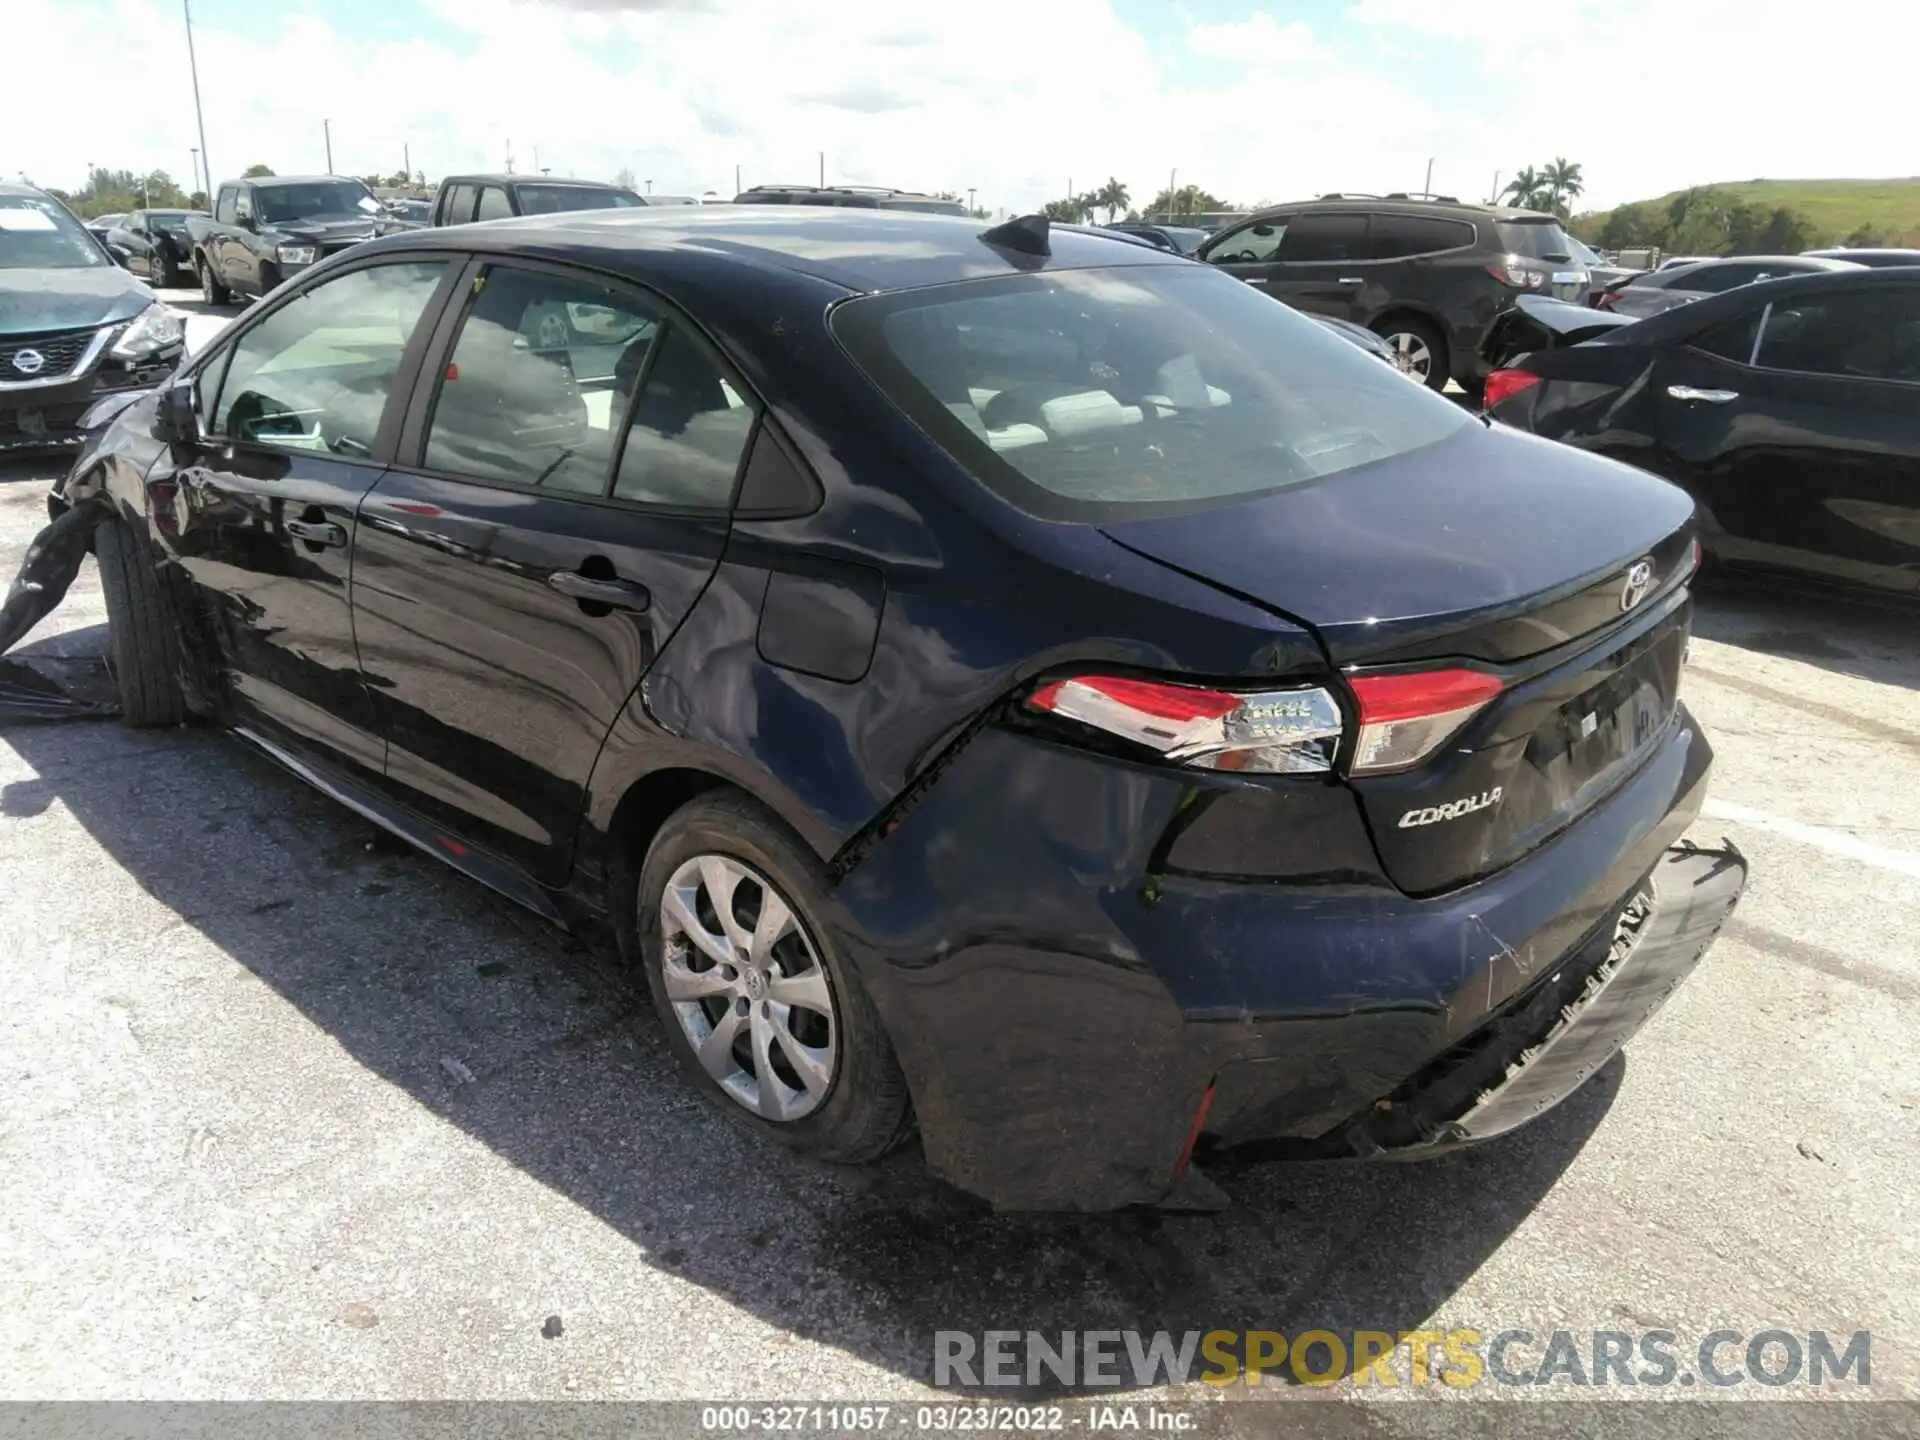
(1530, 1059)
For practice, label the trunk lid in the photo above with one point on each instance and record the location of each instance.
(1562, 573)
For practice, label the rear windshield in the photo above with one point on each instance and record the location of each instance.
(1535, 239)
(1083, 394)
(553, 199)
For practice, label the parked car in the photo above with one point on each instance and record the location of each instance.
(849, 197)
(410, 212)
(1013, 679)
(462, 199)
(1602, 274)
(1668, 287)
(1671, 262)
(264, 230)
(73, 325)
(1878, 259)
(101, 225)
(1786, 408)
(154, 245)
(1536, 323)
(1181, 239)
(1429, 275)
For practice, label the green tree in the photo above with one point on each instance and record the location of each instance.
(1111, 197)
(255, 172)
(1866, 237)
(1187, 201)
(1071, 211)
(1698, 222)
(1526, 188)
(1563, 183)
(623, 177)
(1637, 224)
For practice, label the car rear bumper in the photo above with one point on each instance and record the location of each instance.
(1065, 986)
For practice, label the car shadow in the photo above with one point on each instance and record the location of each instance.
(1865, 639)
(562, 1072)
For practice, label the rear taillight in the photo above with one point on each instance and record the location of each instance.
(1405, 718)
(1504, 384)
(1283, 732)
(1606, 300)
(1510, 272)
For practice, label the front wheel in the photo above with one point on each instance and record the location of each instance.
(758, 1005)
(143, 648)
(1419, 349)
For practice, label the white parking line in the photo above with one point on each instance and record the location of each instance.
(1821, 837)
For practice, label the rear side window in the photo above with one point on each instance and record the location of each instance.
(1083, 394)
(1717, 279)
(1731, 339)
(1325, 237)
(223, 212)
(554, 199)
(1860, 334)
(539, 382)
(1253, 243)
(1393, 237)
(690, 428)
(1535, 239)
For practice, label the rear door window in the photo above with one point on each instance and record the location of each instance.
(1718, 279)
(460, 202)
(1857, 335)
(223, 212)
(1394, 237)
(539, 382)
(1323, 238)
(1731, 339)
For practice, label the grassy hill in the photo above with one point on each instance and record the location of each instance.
(1834, 208)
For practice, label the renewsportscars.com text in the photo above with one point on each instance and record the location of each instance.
(1092, 1359)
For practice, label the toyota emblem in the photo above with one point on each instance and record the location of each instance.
(1639, 584)
(29, 362)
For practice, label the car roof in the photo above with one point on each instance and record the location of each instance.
(292, 180)
(859, 250)
(1815, 262)
(533, 180)
(34, 190)
(1709, 310)
(1368, 204)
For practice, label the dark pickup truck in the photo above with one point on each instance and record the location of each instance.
(266, 229)
(465, 198)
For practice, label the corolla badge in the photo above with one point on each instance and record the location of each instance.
(1639, 584)
(1453, 810)
(29, 362)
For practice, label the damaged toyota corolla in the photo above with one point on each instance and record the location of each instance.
(1011, 683)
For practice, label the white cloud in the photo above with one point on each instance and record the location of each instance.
(1011, 97)
(1257, 40)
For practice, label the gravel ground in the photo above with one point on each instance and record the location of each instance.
(286, 1111)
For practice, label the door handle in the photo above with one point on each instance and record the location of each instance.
(317, 532)
(1351, 280)
(592, 590)
(1711, 397)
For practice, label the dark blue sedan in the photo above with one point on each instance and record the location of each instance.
(1018, 684)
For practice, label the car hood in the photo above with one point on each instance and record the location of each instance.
(32, 301)
(1434, 550)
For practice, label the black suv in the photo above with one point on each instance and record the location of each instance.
(851, 197)
(1427, 273)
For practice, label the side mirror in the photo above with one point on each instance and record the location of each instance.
(176, 421)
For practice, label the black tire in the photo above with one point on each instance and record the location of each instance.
(143, 648)
(1404, 332)
(865, 1112)
(211, 290)
(167, 273)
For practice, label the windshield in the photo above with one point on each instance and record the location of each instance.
(1541, 239)
(1080, 394)
(277, 204)
(37, 234)
(553, 199)
(1580, 251)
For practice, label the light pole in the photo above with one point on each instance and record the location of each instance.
(199, 119)
(649, 187)
(193, 174)
(1428, 190)
(970, 205)
(326, 128)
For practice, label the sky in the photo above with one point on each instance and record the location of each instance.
(1013, 99)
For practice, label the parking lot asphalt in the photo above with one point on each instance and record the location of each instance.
(289, 1111)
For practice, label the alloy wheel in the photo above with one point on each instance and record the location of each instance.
(746, 984)
(1411, 354)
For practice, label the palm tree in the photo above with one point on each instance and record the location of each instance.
(1111, 197)
(1563, 182)
(1525, 187)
